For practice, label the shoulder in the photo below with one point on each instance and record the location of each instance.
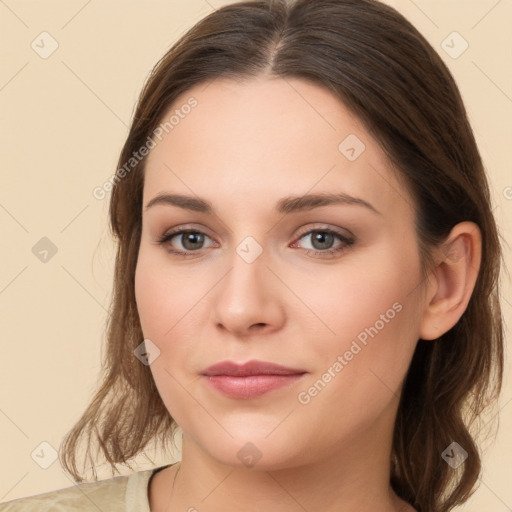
(118, 494)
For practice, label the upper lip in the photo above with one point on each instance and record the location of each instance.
(249, 368)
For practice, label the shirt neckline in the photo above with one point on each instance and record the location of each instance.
(137, 489)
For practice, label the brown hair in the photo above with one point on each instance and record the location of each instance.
(384, 70)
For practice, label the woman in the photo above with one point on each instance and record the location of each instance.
(307, 274)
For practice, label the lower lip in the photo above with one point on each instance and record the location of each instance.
(250, 386)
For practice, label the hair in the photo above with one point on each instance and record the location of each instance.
(383, 70)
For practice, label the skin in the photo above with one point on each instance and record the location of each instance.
(244, 147)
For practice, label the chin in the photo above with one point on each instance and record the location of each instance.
(257, 453)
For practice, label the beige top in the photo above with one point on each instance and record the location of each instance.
(127, 493)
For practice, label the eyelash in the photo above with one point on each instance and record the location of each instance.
(347, 242)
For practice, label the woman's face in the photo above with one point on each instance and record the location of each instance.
(332, 291)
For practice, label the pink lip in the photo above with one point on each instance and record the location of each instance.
(253, 367)
(251, 379)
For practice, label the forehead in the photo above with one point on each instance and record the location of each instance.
(252, 142)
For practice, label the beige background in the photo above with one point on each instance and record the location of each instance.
(63, 122)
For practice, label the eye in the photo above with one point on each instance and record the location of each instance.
(322, 239)
(191, 241)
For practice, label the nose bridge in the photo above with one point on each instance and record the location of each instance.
(248, 265)
(246, 296)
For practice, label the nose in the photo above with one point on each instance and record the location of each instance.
(249, 298)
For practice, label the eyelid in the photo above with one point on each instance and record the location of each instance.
(346, 240)
(301, 231)
(318, 226)
(186, 227)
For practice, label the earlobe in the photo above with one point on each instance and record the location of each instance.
(453, 280)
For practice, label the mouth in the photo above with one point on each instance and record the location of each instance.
(251, 379)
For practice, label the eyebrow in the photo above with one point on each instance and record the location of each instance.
(284, 206)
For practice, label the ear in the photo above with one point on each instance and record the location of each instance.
(452, 282)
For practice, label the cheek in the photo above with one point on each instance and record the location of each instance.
(155, 294)
(363, 297)
(160, 307)
(361, 368)
(170, 307)
(368, 333)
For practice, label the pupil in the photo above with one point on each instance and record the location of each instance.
(319, 236)
(193, 238)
